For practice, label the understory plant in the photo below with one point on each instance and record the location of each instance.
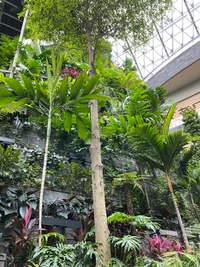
(19, 245)
(66, 255)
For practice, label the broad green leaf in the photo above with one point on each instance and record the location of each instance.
(96, 91)
(82, 133)
(77, 86)
(5, 101)
(113, 122)
(63, 91)
(91, 84)
(29, 87)
(67, 120)
(5, 92)
(79, 108)
(63, 214)
(7, 211)
(168, 118)
(21, 102)
(120, 217)
(15, 86)
(35, 110)
(123, 122)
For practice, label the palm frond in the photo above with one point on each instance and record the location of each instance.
(167, 121)
(148, 136)
(174, 143)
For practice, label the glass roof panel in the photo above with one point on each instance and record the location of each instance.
(170, 38)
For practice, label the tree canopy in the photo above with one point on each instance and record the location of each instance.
(53, 19)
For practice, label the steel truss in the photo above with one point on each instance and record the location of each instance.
(170, 39)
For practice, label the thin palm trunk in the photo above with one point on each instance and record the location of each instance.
(177, 212)
(100, 216)
(14, 63)
(147, 198)
(129, 203)
(48, 134)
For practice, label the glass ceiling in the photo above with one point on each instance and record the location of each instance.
(170, 39)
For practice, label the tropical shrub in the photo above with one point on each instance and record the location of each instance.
(66, 255)
(19, 245)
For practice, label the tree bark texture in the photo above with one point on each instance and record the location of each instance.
(100, 216)
(129, 203)
(178, 212)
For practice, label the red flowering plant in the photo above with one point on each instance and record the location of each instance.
(159, 246)
(19, 245)
(72, 72)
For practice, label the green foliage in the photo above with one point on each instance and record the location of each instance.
(140, 222)
(102, 18)
(9, 162)
(147, 262)
(120, 217)
(164, 149)
(7, 50)
(191, 121)
(128, 178)
(184, 259)
(127, 244)
(64, 255)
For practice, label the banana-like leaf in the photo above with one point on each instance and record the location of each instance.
(67, 120)
(91, 84)
(29, 87)
(63, 91)
(77, 86)
(82, 132)
(15, 86)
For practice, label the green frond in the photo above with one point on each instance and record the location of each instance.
(174, 143)
(130, 178)
(167, 121)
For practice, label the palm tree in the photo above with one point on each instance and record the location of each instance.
(52, 98)
(160, 149)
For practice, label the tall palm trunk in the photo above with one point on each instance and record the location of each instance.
(48, 134)
(147, 198)
(100, 216)
(129, 203)
(177, 212)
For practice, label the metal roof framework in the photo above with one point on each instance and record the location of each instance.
(169, 40)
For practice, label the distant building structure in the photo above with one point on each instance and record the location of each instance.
(172, 57)
(10, 24)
